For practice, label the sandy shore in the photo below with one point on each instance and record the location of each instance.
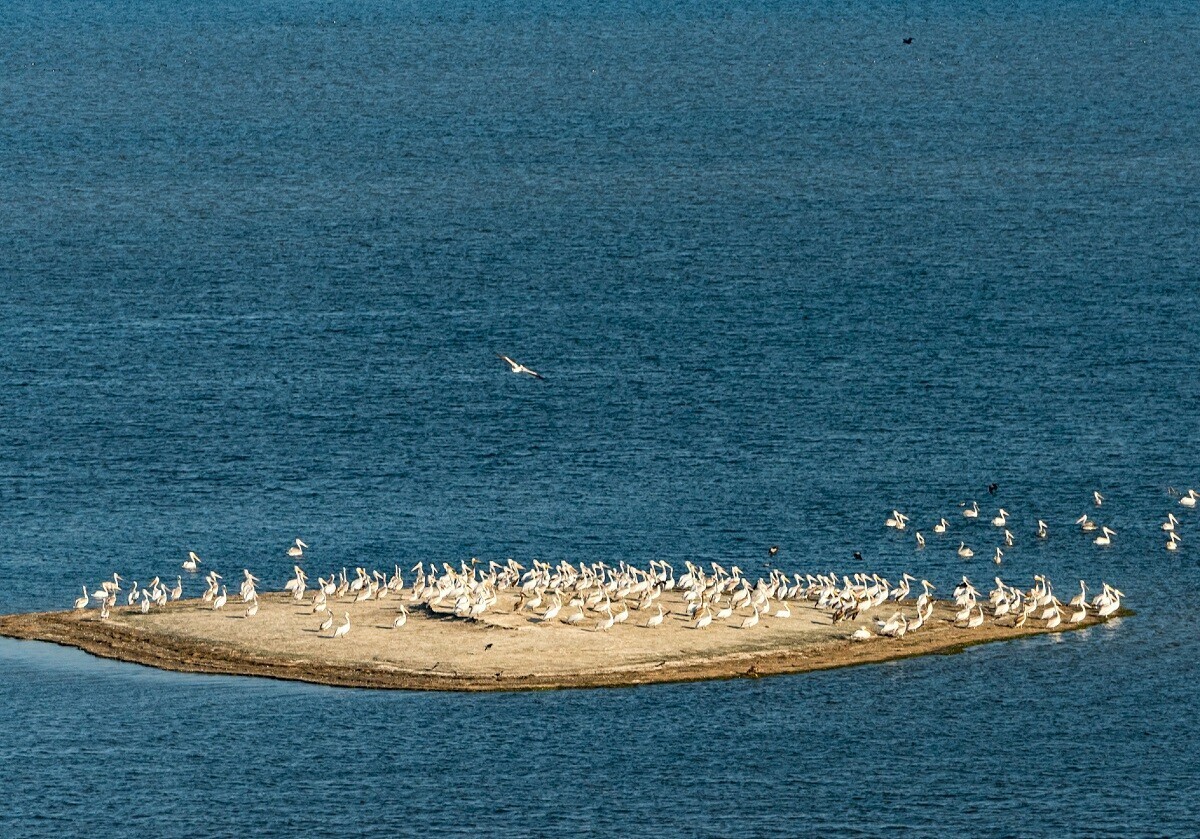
(502, 650)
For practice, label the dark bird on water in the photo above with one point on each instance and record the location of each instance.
(908, 40)
(992, 488)
(517, 367)
(857, 555)
(771, 551)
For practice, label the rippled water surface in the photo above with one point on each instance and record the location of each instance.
(783, 273)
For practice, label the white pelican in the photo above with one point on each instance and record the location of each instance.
(519, 368)
(656, 620)
(1098, 498)
(401, 618)
(964, 551)
(1169, 524)
(1085, 524)
(554, 608)
(1001, 519)
(325, 624)
(1008, 538)
(1079, 616)
(343, 629)
(191, 562)
(897, 520)
(862, 634)
(253, 610)
(221, 599)
(81, 602)
(145, 602)
(705, 618)
(1111, 604)
(941, 526)
(297, 549)
(751, 621)
(920, 540)
(1056, 618)
(783, 611)
(1189, 500)
(177, 592)
(1173, 542)
(976, 620)
(576, 617)
(999, 556)
(972, 512)
(607, 623)
(1081, 597)
(1106, 538)
(1042, 530)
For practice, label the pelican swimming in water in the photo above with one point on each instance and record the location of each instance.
(1173, 541)
(920, 540)
(1169, 524)
(1189, 500)
(941, 526)
(518, 368)
(999, 556)
(1043, 531)
(1085, 524)
(1008, 538)
(1098, 498)
(964, 551)
(192, 562)
(343, 629)
(1001, 519)
(1106, 538)
(297, 549)
(972, 512)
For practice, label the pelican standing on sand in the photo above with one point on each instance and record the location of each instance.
(343, 629)
(519, 368)
(81, 602)
(401, 618)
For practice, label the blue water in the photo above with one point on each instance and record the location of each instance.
(783, 274)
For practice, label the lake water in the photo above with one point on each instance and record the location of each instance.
(783, 273)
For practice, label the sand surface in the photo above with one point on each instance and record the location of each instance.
(502, 650)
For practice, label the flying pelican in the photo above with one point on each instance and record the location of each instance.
(520, 368)
(1189, 500)
(1042, 530)
(81, 602)
(941, 526)
(1098, 498)
(343, 629)
(656, 620)
(297, 549)
(1106, 539)
(191, 562)
(1169, 524)
(964, 551)
(972, 512)
(1001, 519)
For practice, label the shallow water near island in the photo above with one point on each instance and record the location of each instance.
(783, 274)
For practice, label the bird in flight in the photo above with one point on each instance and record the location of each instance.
(517, 367)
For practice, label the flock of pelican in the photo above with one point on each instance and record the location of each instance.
(900, 522)
(598, 596)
